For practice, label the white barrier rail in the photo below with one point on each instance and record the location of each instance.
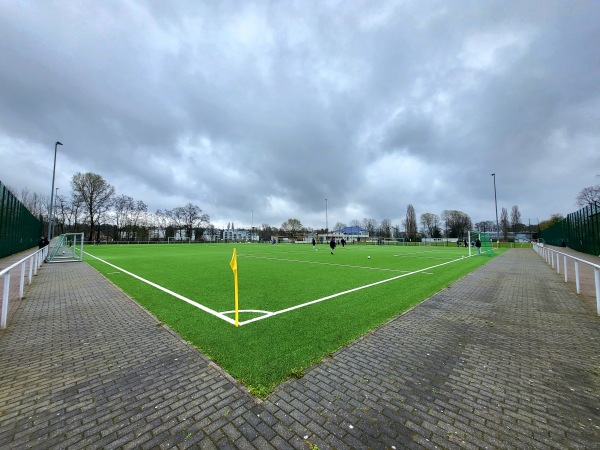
(35, 261)
(553, 257)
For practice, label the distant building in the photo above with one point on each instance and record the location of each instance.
(350, 234)
(239, 236)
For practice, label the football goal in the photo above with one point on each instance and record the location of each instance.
(485, 240)
(67, 247)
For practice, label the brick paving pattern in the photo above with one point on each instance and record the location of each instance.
(507, 357)
(15, 280)
(587, 283)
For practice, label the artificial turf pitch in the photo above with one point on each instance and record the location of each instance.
(296, 304)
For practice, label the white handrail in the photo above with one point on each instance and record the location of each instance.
(35, 261)
(550, 256)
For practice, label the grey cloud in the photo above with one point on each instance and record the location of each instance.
(276, 106)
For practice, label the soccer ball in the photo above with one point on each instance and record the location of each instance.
(368, 257)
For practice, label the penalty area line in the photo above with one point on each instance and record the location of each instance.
(339, 294)
(321, 263)
(174, 294)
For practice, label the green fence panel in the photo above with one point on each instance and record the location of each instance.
(580, 230)
(19, 229)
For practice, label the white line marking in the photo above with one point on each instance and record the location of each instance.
(322, 263)
(268, 314)
(345, 292)
(248, 311)
(174, 294)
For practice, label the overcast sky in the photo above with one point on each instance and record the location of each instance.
(258, 111)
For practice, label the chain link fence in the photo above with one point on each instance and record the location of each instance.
(579, 231)
(19, 229)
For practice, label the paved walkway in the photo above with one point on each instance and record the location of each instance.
(507, 357)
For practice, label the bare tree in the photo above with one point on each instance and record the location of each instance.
(370, 225)
(410, 223)
(515, 218)
(95, 193)
(37, 205)
(188, 217)
(504, 224)
(127, 214)
(267, 232)
(62, 209)
(457, 223)
(292, 227)
(486, 225)
(431, 224)
(588, 195)
(162, 221)
(138, 213)
(339, 226)
(74, 213)
(122, 205)
(386, 228)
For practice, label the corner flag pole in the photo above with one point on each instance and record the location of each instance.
(233, 265)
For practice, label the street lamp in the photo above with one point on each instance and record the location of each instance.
(51, 218)
(496, 203)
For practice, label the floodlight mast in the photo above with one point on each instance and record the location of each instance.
(51, 212)
(496, 203)
(55, 212)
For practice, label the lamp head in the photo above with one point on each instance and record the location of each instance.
(58, 143)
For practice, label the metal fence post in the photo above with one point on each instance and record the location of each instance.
(577, 277)
(597, 280)
(4, 316)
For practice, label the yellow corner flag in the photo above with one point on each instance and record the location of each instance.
(233, 265)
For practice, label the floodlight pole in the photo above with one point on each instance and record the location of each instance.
(55, 214)
(496, 203)
(326, 224)
(251, 225)
(51, 215)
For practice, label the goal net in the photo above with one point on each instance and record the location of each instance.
(485, 240)
(67, 247)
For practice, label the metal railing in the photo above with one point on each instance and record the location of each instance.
(35, 261)
(553, 257)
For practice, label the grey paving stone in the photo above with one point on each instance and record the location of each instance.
(507, 357)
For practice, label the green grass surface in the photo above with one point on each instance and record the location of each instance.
(266, 352)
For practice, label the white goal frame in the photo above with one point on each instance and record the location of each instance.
(67, 247)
